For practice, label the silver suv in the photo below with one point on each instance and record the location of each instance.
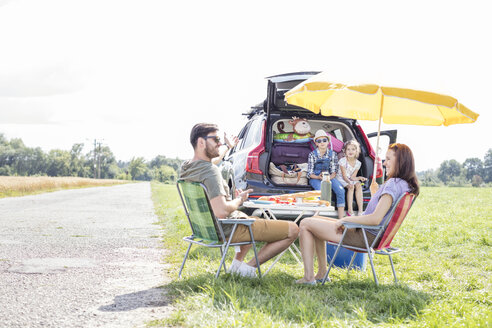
(247, 165)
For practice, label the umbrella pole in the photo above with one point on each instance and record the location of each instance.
(377, 139)
(377, 152)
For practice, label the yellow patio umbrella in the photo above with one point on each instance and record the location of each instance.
(373, 102)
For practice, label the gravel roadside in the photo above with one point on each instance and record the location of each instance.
(81, 258)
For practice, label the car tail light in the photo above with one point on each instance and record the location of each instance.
(372, 153)
(253, 161)
(379, 168)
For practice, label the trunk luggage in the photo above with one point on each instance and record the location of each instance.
(290, 153)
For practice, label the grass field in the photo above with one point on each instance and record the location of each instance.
(21, 186)
(444, 272)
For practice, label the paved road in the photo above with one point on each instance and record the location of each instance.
(81, 258)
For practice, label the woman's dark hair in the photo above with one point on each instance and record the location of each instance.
(405, 168)
(201, 130)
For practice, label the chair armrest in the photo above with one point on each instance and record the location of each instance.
(238, 221)
(352, 225)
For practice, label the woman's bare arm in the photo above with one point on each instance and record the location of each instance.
(374, 218)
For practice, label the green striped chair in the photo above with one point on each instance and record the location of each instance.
(206, 228)
(382, 243)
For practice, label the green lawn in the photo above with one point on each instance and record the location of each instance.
(444, 272)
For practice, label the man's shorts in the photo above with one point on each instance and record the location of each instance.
(263, 230)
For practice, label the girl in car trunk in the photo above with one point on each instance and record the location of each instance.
(322, 160)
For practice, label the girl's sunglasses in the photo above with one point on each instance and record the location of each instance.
(321, 140)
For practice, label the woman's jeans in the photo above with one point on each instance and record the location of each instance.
(337, 188)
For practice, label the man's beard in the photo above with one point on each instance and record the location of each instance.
(212, 152)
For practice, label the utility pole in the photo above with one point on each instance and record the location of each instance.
(99, 160)
(95, 159)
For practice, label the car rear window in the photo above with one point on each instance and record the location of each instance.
(340, 130)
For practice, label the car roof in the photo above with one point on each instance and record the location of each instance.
(292, 76)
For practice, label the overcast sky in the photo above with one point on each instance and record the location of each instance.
(138, 74)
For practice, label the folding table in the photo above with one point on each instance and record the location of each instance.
(271, 211)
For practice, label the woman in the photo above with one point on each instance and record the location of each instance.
(314, 231)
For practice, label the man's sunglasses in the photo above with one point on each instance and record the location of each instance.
(321, 140)
(215, 138)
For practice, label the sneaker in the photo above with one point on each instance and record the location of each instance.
(245, 270)
(234, 266)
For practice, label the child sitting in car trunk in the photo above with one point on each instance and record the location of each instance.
(324, 159)
(347, 175)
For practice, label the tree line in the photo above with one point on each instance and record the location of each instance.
(473, 171)
(18, 160)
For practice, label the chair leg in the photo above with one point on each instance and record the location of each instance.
(222, 254)
(352, 261)
(393, 268)
(254, 249)
(225, 251)
(369, 253)
(184, 260)
(275, 261)
(334, 257)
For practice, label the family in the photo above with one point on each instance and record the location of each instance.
(313, 231)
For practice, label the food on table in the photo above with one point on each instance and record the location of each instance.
(307, 197)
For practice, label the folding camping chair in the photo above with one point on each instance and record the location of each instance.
(206, 228)
(387, 229)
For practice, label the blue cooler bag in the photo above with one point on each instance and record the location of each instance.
(344, 257)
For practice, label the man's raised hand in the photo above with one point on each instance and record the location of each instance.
(243, 194)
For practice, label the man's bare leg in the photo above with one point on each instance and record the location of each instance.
(242, 253)
(271, 249)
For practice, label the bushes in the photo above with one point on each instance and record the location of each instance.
(477, 181)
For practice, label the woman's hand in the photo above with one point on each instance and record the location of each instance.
(339, 226)
(333, 175)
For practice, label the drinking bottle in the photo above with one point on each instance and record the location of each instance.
(326, 187)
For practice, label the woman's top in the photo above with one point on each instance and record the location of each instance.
(315, 156)
(395, 187)
(349, 170)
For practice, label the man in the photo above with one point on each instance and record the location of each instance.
(277, 234)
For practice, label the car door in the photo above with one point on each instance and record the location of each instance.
(234, 166)
(232, 159)
(386, 138)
